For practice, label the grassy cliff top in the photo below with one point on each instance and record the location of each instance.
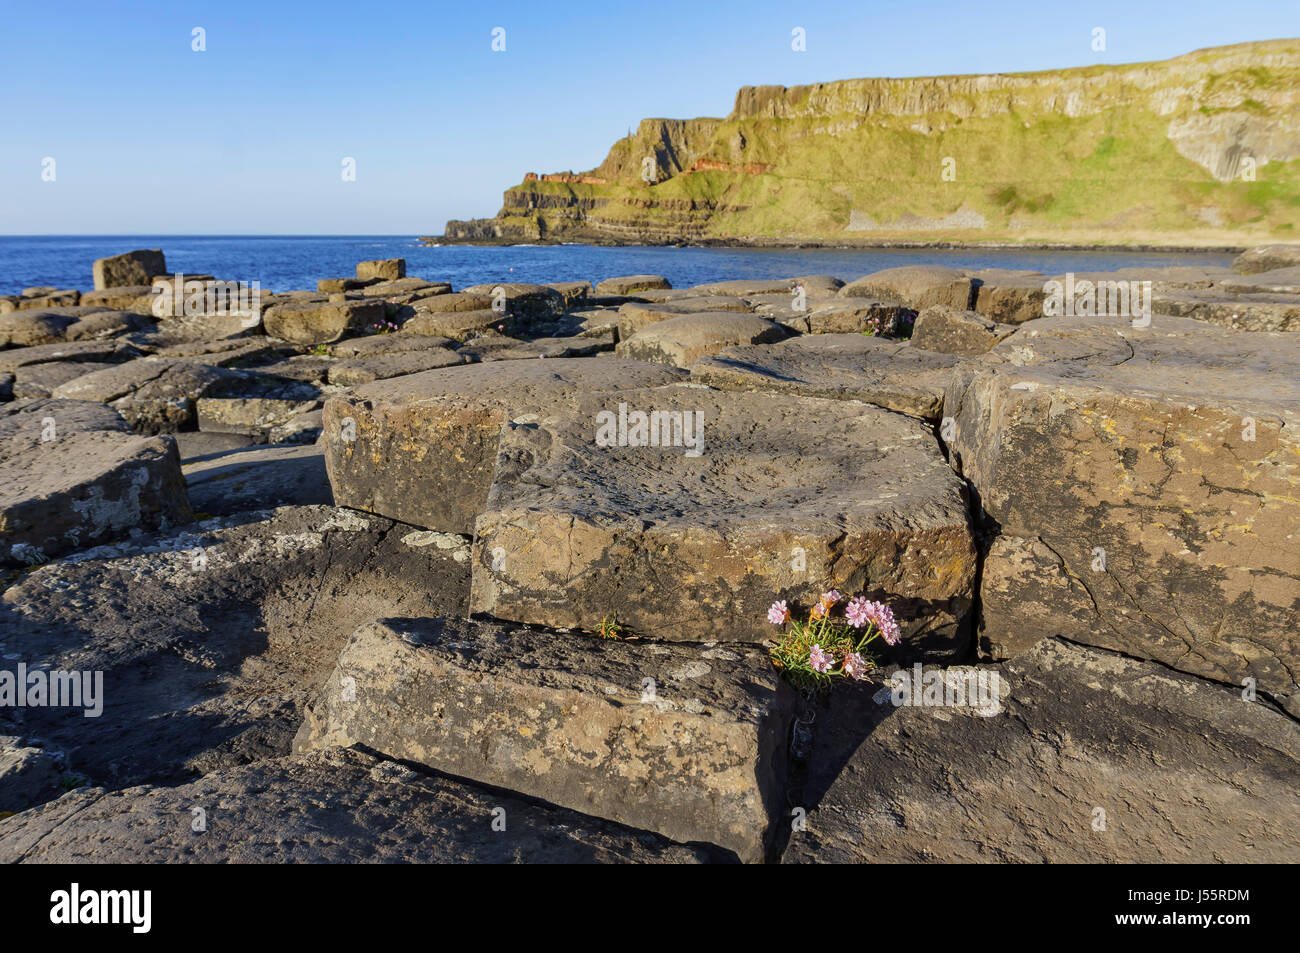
(1203, 148)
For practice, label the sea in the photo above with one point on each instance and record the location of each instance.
(291, 262)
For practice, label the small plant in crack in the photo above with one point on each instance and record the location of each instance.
(811, 654)
(893, 327)
(70, 782)
(610, 628)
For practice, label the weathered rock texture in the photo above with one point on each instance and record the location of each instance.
(29, 775)
(331, 807)
(135, 268)
(51, 325)
(917, 286)
(312, 322)
(212, 639)
(950, 331)
(781, 498)
(71, 474)
(154, 396)
(1009, 297)
(421, 448)
(1093, 758)
(630, 284)
(696, 754)
(1266, 258)
(681, 341)
(363, 370)
(385, 269)
(1159, 468)
(892, 374)
(633, 317)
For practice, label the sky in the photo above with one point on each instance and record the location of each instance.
(249, 135)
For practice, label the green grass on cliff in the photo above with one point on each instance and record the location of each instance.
(1015, 172)
(1035, 171)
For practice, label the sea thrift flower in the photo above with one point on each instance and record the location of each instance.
(883, 616)
(818, 611)
(819, 660)
(855, 666)
(856, 612)
(779, 613)
(830, 598)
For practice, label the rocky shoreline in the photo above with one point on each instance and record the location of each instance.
(846, 244)
(394, 571)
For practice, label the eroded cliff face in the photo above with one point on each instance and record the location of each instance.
(672, 144)
(1202, 148)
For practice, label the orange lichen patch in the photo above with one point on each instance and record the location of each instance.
(716, 165)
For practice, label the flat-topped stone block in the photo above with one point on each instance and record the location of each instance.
(681, 341)
(71, 477)
(743, 499)
(630, 284)
(1178, 770)
(385, 269)
(336, 806)
(888, 373)
(314, 322)
(634, 316)
(520, 299)
(422, 448)
(363, 370)
(1159, 466)
(917, 286)
(687, 743)
(133, 268)
(949, 331)
(155, 396)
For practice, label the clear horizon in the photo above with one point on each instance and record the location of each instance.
(247, 137)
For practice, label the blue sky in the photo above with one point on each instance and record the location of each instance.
(248, 137)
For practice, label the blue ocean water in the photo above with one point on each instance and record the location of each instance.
(287, 262)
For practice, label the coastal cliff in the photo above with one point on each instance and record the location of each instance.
(1199, 149)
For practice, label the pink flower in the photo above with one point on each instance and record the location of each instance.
(855, 666)
(778, 614)
(883, 617)
(856, 612)
(830, 598)
(820, 661)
